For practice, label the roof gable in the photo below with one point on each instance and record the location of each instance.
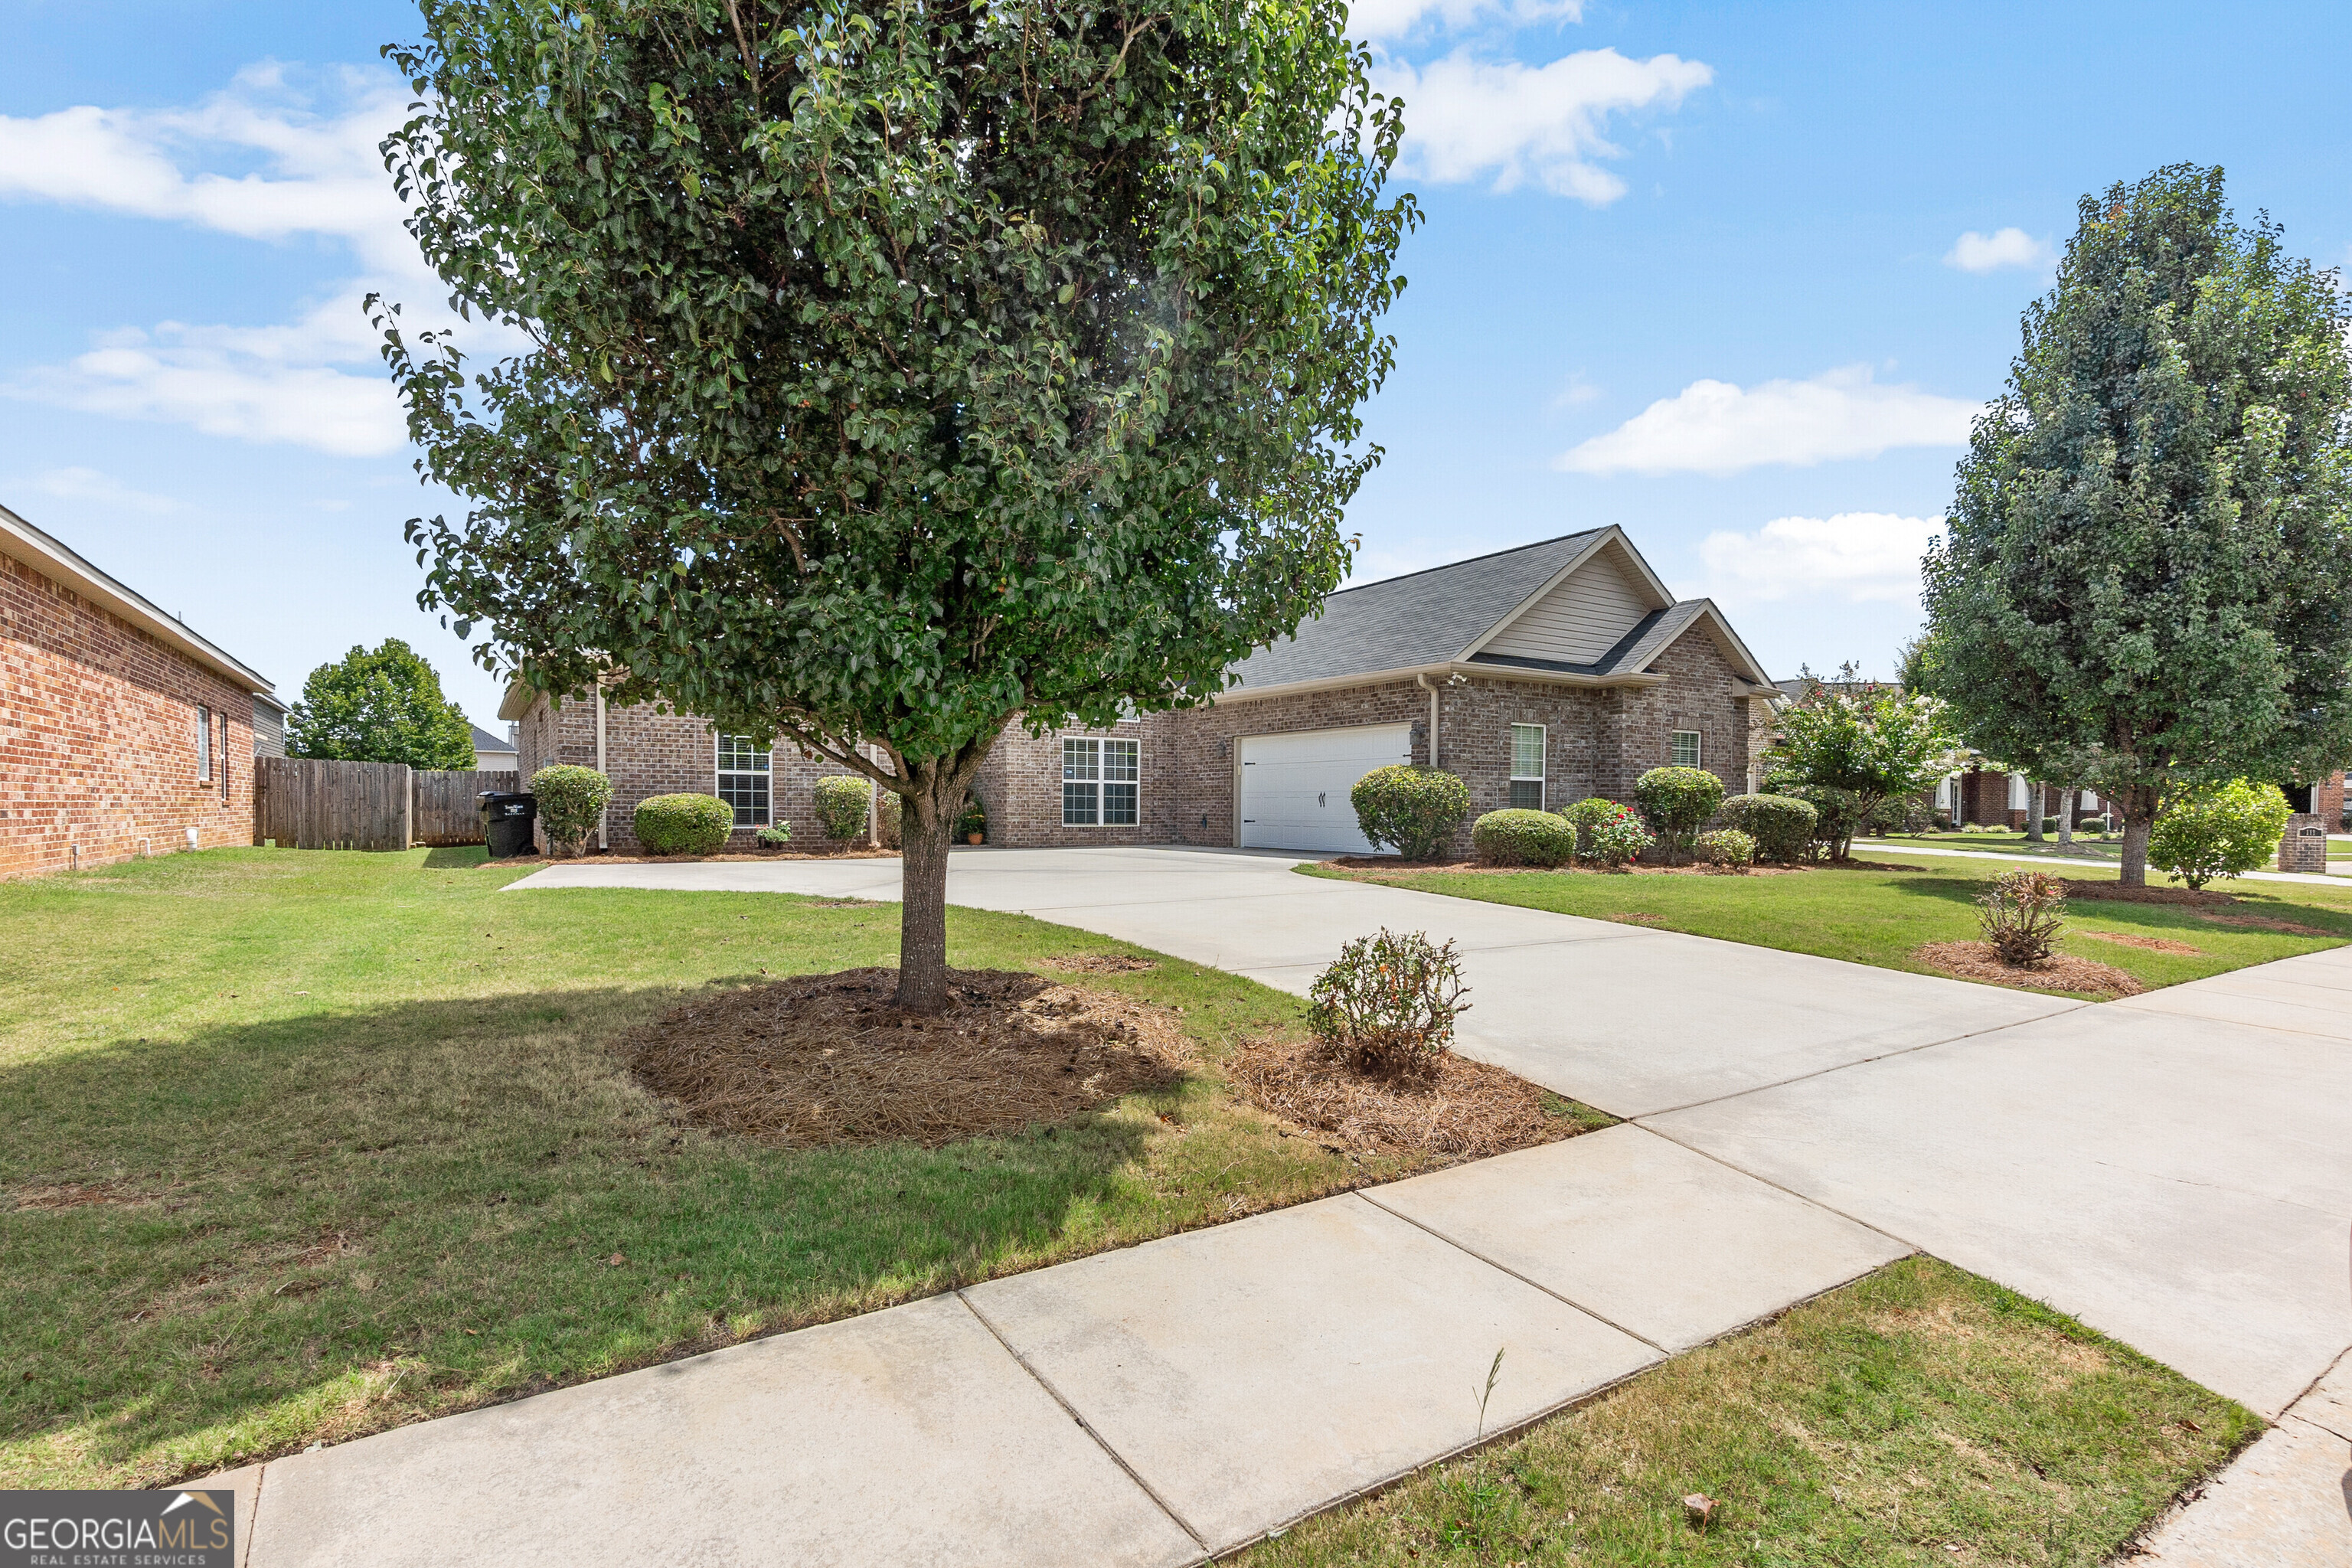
(1584, 612)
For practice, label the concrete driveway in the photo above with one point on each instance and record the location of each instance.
(2176, 1171)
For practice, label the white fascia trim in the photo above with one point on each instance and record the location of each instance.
(53, 560)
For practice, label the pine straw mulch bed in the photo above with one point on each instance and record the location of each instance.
(829, 1059)
(2152, 943)
(2060, 972)
(1463, 1110)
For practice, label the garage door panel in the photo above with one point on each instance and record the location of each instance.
(1295, 787)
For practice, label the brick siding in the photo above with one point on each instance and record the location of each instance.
(1597, 741)
(97, 736)
(650, 751)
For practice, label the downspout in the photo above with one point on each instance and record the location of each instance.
(603, 839)
(1421, 678)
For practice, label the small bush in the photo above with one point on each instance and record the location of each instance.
(2090, 825)
(775, 836)
(1943, 821)
(2221, 831)
(1616, 838)
(1678, 802)
(2020, 915)
(683, 823)
(1388, 1002)
(1520, 837)
(1728, 848)
(975, 818)
(2050, 825)
(841, 806)
(572, 801)
(1586, 814)
(1837, 814)
(1414, 811)
(894, 807)
(1782, 825)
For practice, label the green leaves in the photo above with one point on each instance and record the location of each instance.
(2146, 581)
(381, 705)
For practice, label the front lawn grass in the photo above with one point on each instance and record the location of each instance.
(2011, 842)
(1919, 1415)
(300, 1145)
(1880, 917)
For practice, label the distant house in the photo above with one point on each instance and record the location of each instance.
(123, 732)
(268, 726)
(1540, 675)
(492, 754)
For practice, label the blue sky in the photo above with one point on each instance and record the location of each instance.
(1731, 276)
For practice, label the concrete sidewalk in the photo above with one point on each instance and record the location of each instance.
(1154, 1406)
(2176, 1171)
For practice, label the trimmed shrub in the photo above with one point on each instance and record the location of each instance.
(894, 806)
(1726, 848)
(1782, 825)
(1616, 838)
(1943, 821)
(2050, 825)
(1837, 813)
(2222, 831)
(684, 824)
(1678, 802)
(572, 801)
(2090, 825)
(1586, 814)
(1388, 1002)
(1414, 811)
(1521, 838)
(841, 806)
(2019, 914)
(775, 836)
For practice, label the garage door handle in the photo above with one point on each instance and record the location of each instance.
(1318, 797)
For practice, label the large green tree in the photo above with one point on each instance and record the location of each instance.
(2147, 576)
(896, 369)
(380, 705)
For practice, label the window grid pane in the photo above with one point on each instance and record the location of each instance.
(1081, 760)
(1686, 749)
(1078, 804)
(744, 775)
(1526, 751)
(1526, 794)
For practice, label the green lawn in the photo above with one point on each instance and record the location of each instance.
(1920, 1416)
(1879, 917)
(299, 1145)
(2085, 846)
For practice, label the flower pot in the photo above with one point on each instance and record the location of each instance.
(975, 837)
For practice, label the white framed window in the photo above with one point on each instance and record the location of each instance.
(1099, 782)
(1946, 792)
(1684, 749)
(744, 770)
(2018, 798)
(204, 745)
(1528, 766)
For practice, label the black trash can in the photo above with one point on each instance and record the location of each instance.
(506, 819)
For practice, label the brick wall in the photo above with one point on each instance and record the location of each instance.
(649, 752)
(98, 725)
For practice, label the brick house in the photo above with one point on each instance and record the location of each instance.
(123, 732)
(1541, 675)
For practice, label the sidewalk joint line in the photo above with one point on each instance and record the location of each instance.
(1506, 1268)
(1802, 1197)
(1086, 1426)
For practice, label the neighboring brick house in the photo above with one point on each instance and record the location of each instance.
(121, 731)
(1541, 675)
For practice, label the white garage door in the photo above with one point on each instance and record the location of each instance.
(1295, 787)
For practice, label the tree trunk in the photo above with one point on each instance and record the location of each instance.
(2138, 822)
(923, 905)
(2032, 812)
(2066, 821)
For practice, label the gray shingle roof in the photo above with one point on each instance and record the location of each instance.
(486, 742)
(1424, 617)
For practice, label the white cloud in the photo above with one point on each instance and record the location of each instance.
(90, 485)
(259, 162)
(1377, 19)
(1854, 556)
(1974, 252)
(1470, 119)
(1715, 428)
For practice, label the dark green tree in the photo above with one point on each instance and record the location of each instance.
(896, 369)
(2146, 583)
(379, 705)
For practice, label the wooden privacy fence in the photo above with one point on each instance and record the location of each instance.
(445, 811)
(300, 804)
(305, 805)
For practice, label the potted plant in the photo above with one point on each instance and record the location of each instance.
(973, 823)
(775, 838)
